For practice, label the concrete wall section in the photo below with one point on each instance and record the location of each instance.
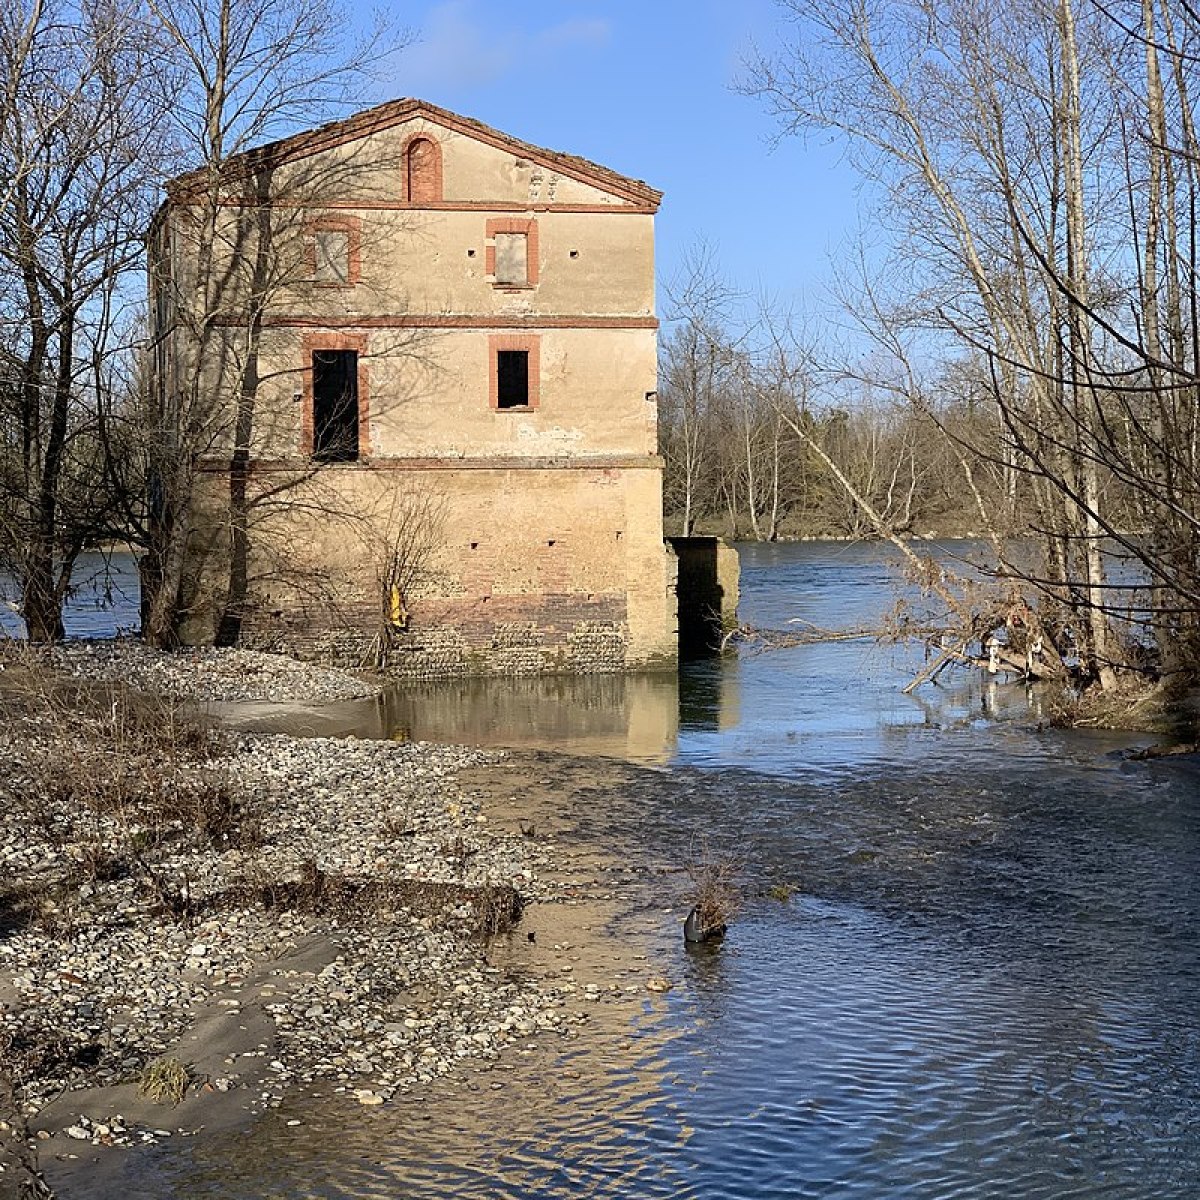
(707, 590)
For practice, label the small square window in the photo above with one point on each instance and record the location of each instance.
(332, 256)
(512, 259)
(512, 378)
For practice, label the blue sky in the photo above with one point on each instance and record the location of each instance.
(644, 88)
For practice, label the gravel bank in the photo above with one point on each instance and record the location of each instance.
(209, 674)
(257, 1000)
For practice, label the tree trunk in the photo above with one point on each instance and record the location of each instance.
(40, 604)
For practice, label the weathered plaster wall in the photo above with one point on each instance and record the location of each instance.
(427, 393)
(531, 570)
(549, 547)
(369, 169)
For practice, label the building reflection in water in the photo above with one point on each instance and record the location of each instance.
(622, 716)
(634, 717)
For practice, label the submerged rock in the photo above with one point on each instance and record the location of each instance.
(695, 929)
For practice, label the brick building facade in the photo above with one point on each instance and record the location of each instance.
(427, 357)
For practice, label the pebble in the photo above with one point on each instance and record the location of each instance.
(120, 979)
(209, 673)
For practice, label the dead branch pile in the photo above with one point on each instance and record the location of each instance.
(982, 624)
(494, 908)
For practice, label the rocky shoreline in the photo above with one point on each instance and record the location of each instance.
(206, 674)
(331, 937)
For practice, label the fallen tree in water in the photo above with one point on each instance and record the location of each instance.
(1000, 644)
(1010, 641)
(754, 638)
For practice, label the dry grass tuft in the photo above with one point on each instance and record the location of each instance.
(498, 909)
(716, 894)
(165, 1081)
(102, 776)
(495, 908)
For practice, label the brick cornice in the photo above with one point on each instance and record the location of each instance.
(495, 462)
(475, 206)
(532, 322)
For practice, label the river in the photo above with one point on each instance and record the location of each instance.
(984, 984)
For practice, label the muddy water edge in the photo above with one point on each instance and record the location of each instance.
(966, 965)
(939, 986)
(613, 930)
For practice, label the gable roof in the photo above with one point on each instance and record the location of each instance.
(394, 112)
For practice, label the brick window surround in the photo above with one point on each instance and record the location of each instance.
(334, 341)
(532, 344)
(352, 228)
(527, 226)
(422, 170)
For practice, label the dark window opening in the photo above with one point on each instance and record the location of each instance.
(512, 378)
(335, 405)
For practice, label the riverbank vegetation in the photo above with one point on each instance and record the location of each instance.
(1023, 361)
(100, 104)
(1016, 357)
(158, 874)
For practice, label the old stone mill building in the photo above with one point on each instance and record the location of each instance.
(436, 345)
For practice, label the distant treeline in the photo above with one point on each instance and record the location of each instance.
(735, 466)
(1019, 352)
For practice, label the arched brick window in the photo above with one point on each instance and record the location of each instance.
(422, 171)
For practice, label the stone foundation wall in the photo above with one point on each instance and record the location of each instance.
(528, 571)
(541, 635)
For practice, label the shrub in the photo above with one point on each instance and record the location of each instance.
(715, 893)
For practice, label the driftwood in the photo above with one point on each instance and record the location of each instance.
(996, 658)
(935, 668)
(19, 1176)
(780, 639)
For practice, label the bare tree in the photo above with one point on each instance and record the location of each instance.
(1041, 194)
(402, 539)
(79, 132)
(243, 73)
(697, 371)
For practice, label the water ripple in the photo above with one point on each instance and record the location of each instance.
(983, 987)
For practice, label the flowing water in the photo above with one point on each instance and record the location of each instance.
(984, 985)
(103, 600)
